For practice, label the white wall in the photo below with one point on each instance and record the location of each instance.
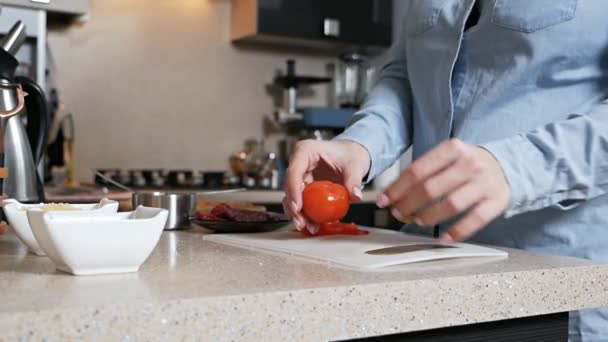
(158, 84)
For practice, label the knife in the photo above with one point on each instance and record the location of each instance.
(407, 249)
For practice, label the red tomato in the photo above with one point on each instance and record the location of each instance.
(339, 228)
(336, 228)
(324, 201)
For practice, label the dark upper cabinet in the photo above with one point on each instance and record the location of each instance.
(366, 24)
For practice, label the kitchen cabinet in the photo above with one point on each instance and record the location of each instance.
(66, 7)
(339, 24)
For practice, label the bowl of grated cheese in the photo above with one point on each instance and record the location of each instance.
(16, 214)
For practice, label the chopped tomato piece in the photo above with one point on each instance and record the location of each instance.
(337, 228)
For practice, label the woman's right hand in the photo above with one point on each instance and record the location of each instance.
(340, 161)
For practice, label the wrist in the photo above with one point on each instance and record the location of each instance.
(362, 157)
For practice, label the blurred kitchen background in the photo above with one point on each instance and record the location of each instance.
(196, 93)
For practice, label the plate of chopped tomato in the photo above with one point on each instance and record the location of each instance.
(224, 218)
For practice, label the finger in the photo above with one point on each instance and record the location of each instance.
(308, 178)
(479, 216)
(297, 171)
(288, 207)
(453, 204)
(352, 182)
(430, 191)
(312, 228)
(294, 185)
(299, 222)
(429, 164)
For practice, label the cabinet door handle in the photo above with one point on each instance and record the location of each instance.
(331, 27)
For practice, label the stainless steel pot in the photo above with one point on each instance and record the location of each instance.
(181, 206)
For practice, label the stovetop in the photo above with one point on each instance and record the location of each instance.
(162, 179)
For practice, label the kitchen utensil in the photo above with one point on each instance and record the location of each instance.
(137, 178)
(364, 252)
(180, 206)
(353, 74)
(407, 249)
(108, 173)
(5, 115)
(154, 178)
(86, 243)
(180, 178)
(268, 175)
(112, 181)
(124, 177)
(11, 43)
(14, 38)
(24, 146)
(198, 193)
(67, 125)
(248, 163)
(290, 82)
(240, 227)
(16, 214)
(213, 179)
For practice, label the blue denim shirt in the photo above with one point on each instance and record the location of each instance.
(528, 82)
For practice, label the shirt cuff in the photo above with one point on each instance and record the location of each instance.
(520, 162)
(359, 132)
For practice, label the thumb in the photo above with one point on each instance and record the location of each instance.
(352, 182)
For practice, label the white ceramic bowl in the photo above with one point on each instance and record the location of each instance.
(16, 213)
(85, 243)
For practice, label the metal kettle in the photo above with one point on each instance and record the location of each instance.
(23, 124)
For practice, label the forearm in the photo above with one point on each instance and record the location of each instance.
(560, 164)
(383, 125)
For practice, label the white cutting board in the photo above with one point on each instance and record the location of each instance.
(351, 251)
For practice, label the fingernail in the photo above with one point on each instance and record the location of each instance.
(408, 219)
(396, 214)
(418, 221)
(358, 192)
(445, 238)
(382, 201)
(295, 207)
(298, 222)
(312, 228)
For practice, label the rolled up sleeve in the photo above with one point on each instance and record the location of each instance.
(383, 125)
(559, 165)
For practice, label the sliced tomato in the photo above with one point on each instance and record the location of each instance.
(337, 228)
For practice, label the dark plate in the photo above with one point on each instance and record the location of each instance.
(240, 227)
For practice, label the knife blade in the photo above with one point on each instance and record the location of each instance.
(407, 249)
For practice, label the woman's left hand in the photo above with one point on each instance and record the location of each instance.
(452, 178)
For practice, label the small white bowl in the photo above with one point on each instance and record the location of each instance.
(86, 243)
(16, 213)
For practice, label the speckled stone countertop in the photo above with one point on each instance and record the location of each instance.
(191, 289)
